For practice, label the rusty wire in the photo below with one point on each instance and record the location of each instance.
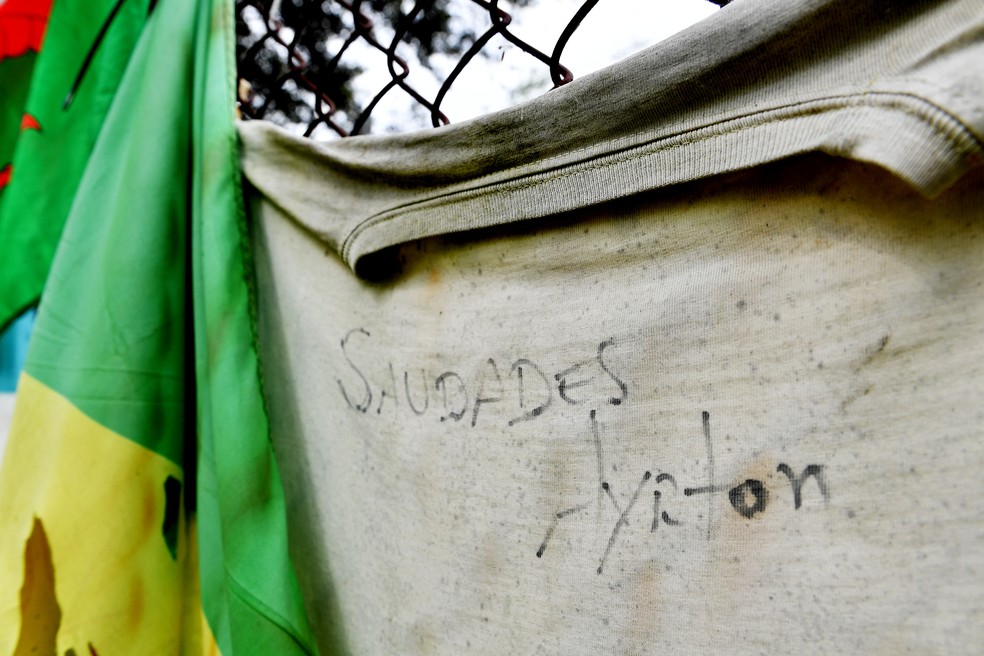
(290, 87)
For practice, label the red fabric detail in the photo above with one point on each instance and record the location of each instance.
(28, 122)
(22, 24)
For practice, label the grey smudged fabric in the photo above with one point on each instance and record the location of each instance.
(683, 358)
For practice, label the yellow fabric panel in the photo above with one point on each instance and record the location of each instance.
(84, 563)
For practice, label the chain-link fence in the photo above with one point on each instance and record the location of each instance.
(301, 61)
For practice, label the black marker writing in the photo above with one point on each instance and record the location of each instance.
(406, 388)
(816, 471)
(364, 406)
(442, 385)
(383, 393)
(517, 368)
(622, 521)
(553, 525)
(480, 398)
(565, 383)
(706, 422)
(586, 381)
(739, 498)
(623, 388)
(748, 498)
(599, 456)
(657, 497)
(606, 489)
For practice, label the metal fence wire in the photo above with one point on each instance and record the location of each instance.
(297, 67)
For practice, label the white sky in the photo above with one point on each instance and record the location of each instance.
(613, 30)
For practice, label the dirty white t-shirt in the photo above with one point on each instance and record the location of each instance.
(683, 358)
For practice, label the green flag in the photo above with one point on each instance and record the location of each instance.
(249, 588)
(142, 366)
(86, 49)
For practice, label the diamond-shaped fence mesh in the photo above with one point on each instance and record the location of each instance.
(326, 67)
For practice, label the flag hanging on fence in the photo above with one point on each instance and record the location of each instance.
(142, 366)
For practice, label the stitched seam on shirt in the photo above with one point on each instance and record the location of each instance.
(951, 129)
(840, 101)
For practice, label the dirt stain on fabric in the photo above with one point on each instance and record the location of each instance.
(433, 277)
(40, 614)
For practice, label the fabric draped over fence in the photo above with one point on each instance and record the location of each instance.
(682, 358)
